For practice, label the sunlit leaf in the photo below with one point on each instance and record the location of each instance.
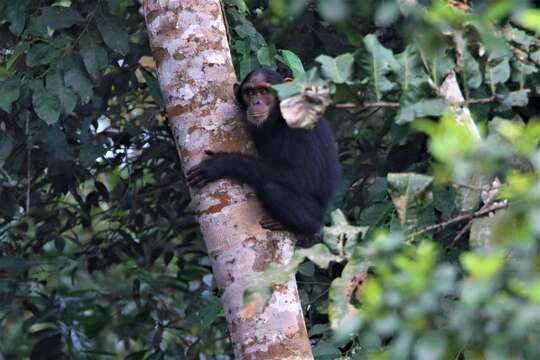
(293, 62)
(377, 61)
(411, 194)
(342, 313)
(482, 266)
(340, 236)
(267, 56)
(338, 69)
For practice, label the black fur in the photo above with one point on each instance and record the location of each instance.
(295, 176)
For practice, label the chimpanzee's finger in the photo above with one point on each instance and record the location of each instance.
(192, 172)
(270, 224)
(195, 177)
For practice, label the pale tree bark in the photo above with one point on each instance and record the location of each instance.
(189, 43)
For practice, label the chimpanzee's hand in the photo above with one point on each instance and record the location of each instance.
(269, 223)
(208, 170)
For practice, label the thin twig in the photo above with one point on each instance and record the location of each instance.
(396, 104)
(460, 218)
(367, 105)
(28, 165)
(481, 101)
(488, 196)
(461, 233)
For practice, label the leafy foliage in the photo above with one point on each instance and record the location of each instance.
(433, 255)
(99, 254)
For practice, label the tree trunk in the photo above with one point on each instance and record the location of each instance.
(189, 43)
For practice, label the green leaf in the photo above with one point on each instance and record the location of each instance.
(114, 33)
(375, 214)
(311, 78)
(246, 30)
(55, 85)
(410, 74)
(378, 190)
(320, 255)
(59, 17)
(53, 140)
(516, 98)
(267, 56)
(4, 74)
(325, 350)
(536, 55)
(440, 62)
(340, 237)
(472, 76)
(46, 105)
(118, 7)
(16, 15)
(94, 57)
(483, 266)
(386, 14)
(76, 80)
(444, 201)
(520, 36)
(377, 61)
(495, 45)
(423, 108)
(241, 47)
(247, 65)
(411, 194)
(333, 11)
(499, 73)
(520, 70)
(530, 18)
(431, 345)
(338, 69)
(287, 89)
(10, 91)
(343, 315)
(20, 49)
(293, 62)
(449, 139)
(42, 54)
(207, 313)
(153, 88)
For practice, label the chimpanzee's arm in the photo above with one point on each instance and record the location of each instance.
(245, 168)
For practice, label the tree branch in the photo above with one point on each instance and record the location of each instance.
(460, 218)
(367, 105)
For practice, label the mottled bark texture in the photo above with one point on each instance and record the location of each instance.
(189, 43)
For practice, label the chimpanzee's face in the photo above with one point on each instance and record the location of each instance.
(259, 98)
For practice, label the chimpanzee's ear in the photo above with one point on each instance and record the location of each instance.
(236, 89)
(288, 79)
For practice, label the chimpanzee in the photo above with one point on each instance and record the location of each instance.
(297, 171)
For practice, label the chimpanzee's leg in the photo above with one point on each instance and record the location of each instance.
(297, 213)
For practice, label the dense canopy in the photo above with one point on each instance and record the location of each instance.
(435, 105)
